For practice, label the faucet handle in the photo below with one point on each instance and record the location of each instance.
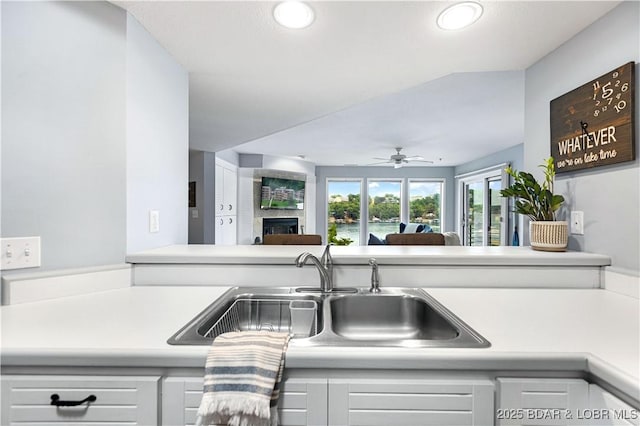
(326, 255)
(375, 279)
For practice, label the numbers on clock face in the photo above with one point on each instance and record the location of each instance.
(606, 93)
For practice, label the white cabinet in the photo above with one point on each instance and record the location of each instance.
(118, 400)
(541, 401)
(226, 197)
(387, 402)
(302, 401)
(607, 410)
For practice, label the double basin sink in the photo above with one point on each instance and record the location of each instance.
(401, 317)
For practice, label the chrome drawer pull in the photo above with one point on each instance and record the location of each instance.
(55, 400)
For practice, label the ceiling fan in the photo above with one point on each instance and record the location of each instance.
(398, 159)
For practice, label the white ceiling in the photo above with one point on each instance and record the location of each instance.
(364, 78)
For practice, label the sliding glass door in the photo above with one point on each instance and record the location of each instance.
(474, 214)
(483, 213)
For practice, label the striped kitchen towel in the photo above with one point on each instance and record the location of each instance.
(242, 379)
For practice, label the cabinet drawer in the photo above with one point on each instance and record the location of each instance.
(383, 402)
(541, 402)
(119, 400)
(302, 401)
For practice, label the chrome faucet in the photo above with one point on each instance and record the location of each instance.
(375, 279)
(324, 266)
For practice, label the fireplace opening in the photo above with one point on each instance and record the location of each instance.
(280, 225)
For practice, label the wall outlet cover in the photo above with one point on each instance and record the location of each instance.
(577, 222)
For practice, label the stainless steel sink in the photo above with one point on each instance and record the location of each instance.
(394, 317)
(242, 309)
(388, 317)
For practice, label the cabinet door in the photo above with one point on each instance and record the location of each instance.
(219, 188)
(229, 230)
(379, 402)
(608, 410)
(230, 191)
(226, 230)
(549, 402)
(302, 402)
(120, 400)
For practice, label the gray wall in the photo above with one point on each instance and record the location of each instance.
(63, 130)
(608, 196)
(94, 133)
(157, 142)
(513, 155)
(202, 171)
(324, 172)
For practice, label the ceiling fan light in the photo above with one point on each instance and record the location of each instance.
(459, 15)
(293, 14)
(397, 165)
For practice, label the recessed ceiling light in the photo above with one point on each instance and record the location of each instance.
(293, 14)
(459, 15)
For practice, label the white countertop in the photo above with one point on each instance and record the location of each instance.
(564, 329)
(385, 255)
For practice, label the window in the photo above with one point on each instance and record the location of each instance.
(425, 205)
(388, 202)
(344, 209)
(483, 212)
(384, 206)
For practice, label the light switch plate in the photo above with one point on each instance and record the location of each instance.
(20, 252)
(154, 221)
(577, 222)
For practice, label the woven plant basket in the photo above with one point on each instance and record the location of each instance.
(549, 236)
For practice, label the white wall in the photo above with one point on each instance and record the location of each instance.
(63, 130)
(608, 196)
(157, 142)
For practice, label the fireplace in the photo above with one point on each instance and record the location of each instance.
(280, 225)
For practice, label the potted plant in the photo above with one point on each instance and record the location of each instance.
(333, 236)
(538, 202)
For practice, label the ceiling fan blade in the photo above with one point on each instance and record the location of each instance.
(414, 157)
(380, 158)
(422, 161)
(378, 163)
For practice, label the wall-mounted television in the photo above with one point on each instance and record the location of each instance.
(283, 194)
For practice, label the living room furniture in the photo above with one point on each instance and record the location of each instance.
(293, 239)
(415, 239)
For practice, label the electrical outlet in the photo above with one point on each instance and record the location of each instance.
(22, 252)
(154, 221)
(577, 222)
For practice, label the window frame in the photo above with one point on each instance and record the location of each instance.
(364, 200)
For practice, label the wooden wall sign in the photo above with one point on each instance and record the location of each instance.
(594, 125)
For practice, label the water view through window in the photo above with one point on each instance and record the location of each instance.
(344, 211)
(386, 207)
